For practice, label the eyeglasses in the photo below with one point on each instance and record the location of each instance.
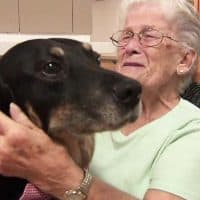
(147, 38)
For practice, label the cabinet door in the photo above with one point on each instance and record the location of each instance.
(45, 16)
(82, 16)
(9, 21)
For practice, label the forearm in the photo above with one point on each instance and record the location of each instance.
(98, 190)
(102, 191)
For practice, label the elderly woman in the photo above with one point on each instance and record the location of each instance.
(155, 158)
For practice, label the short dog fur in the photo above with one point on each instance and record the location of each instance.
(60, 85)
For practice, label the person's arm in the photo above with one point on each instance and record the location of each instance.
(26, 152)
(102, 191)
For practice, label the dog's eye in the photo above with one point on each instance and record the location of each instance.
(51, 69)
(98, 59)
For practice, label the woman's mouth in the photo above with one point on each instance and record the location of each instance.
(132, 64)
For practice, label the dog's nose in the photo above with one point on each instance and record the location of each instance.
(127, 91)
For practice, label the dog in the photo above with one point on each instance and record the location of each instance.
(60, 85)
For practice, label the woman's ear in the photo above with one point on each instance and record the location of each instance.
(188, 59)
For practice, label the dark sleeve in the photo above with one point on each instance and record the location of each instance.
(192, 94)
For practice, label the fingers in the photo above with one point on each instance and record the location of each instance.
(5, 123)
(21, 119)
(19, 116)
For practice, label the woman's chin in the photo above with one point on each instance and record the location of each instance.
(134, 74)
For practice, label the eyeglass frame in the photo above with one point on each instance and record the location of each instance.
(115, 42)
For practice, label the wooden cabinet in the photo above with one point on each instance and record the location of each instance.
(108, 61)
(197, 4)
(9, 18)
(82, 16)
(46, 16)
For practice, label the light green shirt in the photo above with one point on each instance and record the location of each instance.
(164, 154)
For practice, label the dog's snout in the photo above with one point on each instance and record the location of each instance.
(127, 92)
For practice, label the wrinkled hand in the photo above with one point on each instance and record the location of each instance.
(27, 152)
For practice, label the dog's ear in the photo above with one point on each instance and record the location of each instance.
(93, 54)
(6, 97)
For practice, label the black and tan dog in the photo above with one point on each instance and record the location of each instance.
(62, 88)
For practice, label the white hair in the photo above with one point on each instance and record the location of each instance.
(184, 17)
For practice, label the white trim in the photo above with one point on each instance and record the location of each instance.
(9, 40)
(104, 47)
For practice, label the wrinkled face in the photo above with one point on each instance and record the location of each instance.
(61, 86)
(154, 67)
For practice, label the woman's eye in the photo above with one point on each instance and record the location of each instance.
(125, 36)
(51, 69)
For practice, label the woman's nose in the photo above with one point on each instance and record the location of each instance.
(133, 46)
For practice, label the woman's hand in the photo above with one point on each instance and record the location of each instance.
(27, 152)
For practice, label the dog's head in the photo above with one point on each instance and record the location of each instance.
(61, 86)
